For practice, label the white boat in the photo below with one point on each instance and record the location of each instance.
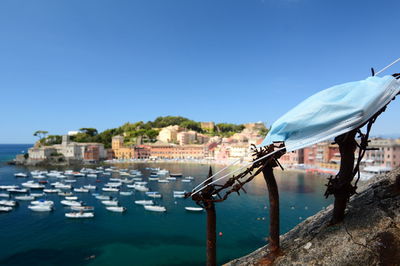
(102, 197)
(90, 187)
(63, 186)
(141, 188)
(153, 194)
(153, 178)
(79, 215)
(79, 175)
(141, 183)
(127, 181)
(163, 181)
(110, 202)
(64, 194)
(32, 184)
(116, 209)
(194, 209)
(20, 175)
(144, 202)
(82, 208)
(37, 194)
(24, 197)
(92, 175)
(70, 203)
(171, 178)
(71, 198)
(5, 209)
(110, 189)
(113, 184)
(61, 176)
(189, 177)
(39, 176)
(8, 187)
(41, 208)
(70, 180)
(17, 190)
(126, 193)
(179, 194)
(4, 195)
(49, 190)
(186, 180)
(155, 208)
(81, 190)
(10, 203)
(43, 202)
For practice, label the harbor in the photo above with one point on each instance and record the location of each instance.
(112, 237)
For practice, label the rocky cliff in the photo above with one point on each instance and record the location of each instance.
(370, 234)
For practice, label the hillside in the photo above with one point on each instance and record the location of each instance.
(147, 131)
(370, 234)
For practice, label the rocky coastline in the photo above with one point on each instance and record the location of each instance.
(369, 235)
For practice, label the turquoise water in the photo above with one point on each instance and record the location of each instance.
(138, 237)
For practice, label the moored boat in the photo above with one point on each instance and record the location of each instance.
(43, 202)
(5, 209)
(41, 208)
(110, 189)
(79, 215)
(155, 208)
(194, 209)
(175, 175)
(71, 198)
(10, 203)
(20, 175)
(179, 194)
(25, 197)
(141, 188)
(70, 203)
(32, 184)
(102, 197)
(144, 202)
(126, 193)
(110, 202)
(49, 190)
(116, 209)
(81, 190)
(90, 187)
(82, 208)
(153, 194)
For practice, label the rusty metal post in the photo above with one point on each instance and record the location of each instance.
(342, 188)
(273, 194)
(211, 226)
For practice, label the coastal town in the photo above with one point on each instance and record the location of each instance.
(174, 143)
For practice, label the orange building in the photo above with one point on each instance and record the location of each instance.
(171, 151)
(120, 151)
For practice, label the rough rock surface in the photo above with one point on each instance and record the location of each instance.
(370, 234)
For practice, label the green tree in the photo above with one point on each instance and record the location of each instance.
(89, 131)
(40, 134)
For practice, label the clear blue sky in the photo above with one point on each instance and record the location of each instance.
(93, 63)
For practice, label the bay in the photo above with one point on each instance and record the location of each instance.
(138, 237)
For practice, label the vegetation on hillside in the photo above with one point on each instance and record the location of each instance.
(142, 131)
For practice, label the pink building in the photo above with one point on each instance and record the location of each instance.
(387, 153)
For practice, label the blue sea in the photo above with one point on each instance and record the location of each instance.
(139, 237)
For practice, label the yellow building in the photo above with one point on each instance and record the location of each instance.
(120, 151)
